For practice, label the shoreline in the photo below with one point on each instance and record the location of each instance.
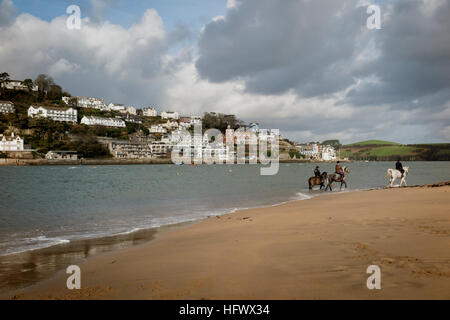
(82, 162)
(9, 162)
(13, 162)
(202, 222)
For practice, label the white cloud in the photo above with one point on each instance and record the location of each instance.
(101, 59)
(140, 66)
(232, 4)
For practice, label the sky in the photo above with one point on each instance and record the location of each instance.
(309, 68)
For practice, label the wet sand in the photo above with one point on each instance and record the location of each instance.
(313, 249)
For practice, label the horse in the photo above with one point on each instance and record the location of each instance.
(336, 177)
(314, 181)
(394, 174)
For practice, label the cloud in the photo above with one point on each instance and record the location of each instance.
(309, 68)
(317, 48)
(232, 4)
(414, 57)
(7, 12)
(307, 46)
(322, 50)
(101, 59)
(98, 8)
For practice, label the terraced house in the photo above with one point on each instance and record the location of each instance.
(106, 122)
(56, 114)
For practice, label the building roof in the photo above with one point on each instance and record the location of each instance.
(56, 151)
(101, 118)
(36, 106)
(10, 138)
(11, 81)
(4, 101)
(89, 98)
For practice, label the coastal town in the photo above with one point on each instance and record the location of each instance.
(126, 132)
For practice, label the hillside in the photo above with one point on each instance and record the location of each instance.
(378, 150)
(373, 143)
(43, 134)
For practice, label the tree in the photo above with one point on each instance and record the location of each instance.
(220, 121)
(54, 92)
(292, 153)
(4, 76)
(334, 143)
(28, 83)
(44, 82)
(73, 102)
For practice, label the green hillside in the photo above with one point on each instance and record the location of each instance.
(374, 143)
(378, 150)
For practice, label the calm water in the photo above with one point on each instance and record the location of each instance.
(44, 206)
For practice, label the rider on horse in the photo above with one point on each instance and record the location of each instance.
(339, 169)
(317, 171)
(399, 167)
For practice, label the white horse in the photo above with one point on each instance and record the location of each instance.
(393, 174)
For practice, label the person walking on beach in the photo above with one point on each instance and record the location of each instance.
(399, 167)
(317, 172)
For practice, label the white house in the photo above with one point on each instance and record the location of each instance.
(310, 150)
(170, 115)
(106, 122)
(328, 153)
(116, 107)
(17, 85)
(149, 112)
(175, 137)
(12, 143)
(130, 150)
(157, 129)
(131, 110)
(170, 125)
(62, 155)
(6, 107)
(56, 114)
(94, 103)
(132, 118)
(160, 149)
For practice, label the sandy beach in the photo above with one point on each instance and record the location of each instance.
(313, 249)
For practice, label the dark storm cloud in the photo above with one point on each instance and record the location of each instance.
(414, 57)
(322, 47)
(275, 46)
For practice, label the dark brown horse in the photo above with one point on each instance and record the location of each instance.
(314, 181)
